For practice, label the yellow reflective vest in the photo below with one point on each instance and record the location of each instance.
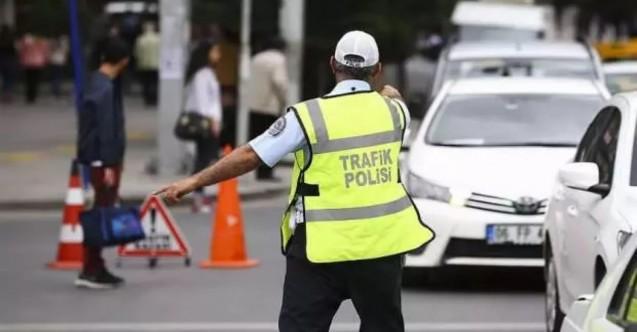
(354, 205)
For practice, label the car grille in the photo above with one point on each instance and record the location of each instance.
(524, 205)
(480, 248)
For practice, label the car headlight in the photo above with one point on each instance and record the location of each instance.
(421, 188)
(622, 239)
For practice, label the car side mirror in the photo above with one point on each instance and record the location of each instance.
(631, 328)
(583, 176)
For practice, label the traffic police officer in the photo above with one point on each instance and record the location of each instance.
(349, 218)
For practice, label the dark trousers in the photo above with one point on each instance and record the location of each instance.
(229, 131)
(206, 151)
(105, 196)
(32, 82)
(149, 80)
(259, 123)
(8, 65)
(312, 294)
(57, 76)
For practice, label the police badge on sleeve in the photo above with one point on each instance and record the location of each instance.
(277, 127)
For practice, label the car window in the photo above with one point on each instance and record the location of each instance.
(623, 306)
(575, 68)
(590, 136)
(512, 120)
(601, 145)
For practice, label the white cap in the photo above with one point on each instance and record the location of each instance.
(362, 48)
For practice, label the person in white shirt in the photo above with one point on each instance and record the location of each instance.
(58, 56)
(267, 92)
(203, 96)
(147, 55)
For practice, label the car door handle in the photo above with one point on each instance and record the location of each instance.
(572, 210)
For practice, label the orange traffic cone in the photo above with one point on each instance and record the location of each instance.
(227, 246)
(70, 251)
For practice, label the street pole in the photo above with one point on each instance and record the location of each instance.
(292, 24)
(244, 72)
(174, 34)
(76, 53)
(77, 57)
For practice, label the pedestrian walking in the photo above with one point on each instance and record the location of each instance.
(58, 57)
(147, 55)
(101, 144)
(8, 62)
(33, 59)
(348, 219)
(203, 96)
(267, 92)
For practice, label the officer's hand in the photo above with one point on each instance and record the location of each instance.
(175, 191)
(390, 92)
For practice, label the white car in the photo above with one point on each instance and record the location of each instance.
(481, 167)
(621, 76)
(593, 209)
(506, 58)
(613, 308)
(498, 20)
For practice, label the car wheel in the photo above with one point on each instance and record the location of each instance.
(554, 315)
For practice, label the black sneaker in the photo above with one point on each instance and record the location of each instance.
(100, 280)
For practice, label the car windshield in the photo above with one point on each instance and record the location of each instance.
(574, 68)
(512, 120)
(621, 82)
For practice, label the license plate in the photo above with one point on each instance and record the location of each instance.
(514, 234)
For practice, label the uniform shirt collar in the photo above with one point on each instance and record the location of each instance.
(349, 86)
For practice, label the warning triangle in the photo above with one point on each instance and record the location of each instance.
(163, 235)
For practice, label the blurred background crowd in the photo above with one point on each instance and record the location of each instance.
(34, 46)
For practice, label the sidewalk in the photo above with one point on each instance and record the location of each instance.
(37, 145)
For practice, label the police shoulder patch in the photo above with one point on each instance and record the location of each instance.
(277, 127)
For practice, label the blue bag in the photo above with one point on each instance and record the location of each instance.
(111, 226)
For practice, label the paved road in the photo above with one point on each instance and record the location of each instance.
(175, 298)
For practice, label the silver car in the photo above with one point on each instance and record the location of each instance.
(528, 58)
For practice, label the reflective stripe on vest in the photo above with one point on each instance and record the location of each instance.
(325, 145)
(367, 212)
(359, 209)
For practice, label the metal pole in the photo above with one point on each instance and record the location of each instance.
(174, 34)
(244, 72)
(291, 24)
(77, 56)
(76, 53)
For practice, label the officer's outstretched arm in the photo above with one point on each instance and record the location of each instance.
(239, 162)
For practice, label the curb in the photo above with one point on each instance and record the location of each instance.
(133, 200)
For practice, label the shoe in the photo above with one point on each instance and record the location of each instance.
(201, 209)
(201, 204)
(101, 280)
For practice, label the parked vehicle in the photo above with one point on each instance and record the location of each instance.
(482, 164)
(593, 207)
(481, 20)
(613, 308)
(508, 58)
